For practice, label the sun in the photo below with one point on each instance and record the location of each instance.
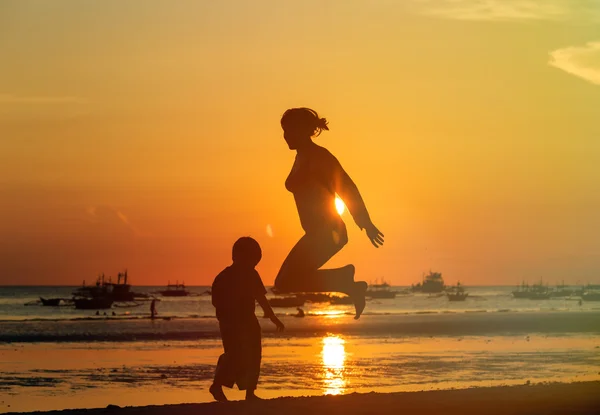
(339, 205)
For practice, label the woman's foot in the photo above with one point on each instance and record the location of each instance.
(359, 290)
(250, 396)
(217, 392)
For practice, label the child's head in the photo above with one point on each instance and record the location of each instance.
(246, 251)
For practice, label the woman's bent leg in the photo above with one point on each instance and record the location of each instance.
(300, 270)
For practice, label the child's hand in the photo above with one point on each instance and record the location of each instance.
(278, 323)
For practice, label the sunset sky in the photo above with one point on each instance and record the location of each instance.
(145, 135)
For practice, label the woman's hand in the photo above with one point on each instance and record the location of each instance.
(278, 323)
(374, 235)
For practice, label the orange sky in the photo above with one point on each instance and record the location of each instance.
(145, 135)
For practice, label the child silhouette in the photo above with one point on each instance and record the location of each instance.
(234, 292)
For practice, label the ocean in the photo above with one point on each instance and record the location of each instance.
(60, 357)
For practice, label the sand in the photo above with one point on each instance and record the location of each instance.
(557, 399)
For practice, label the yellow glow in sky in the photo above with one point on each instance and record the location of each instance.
(146, 135)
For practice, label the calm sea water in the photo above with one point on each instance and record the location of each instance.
(23, 319)
(14, 302)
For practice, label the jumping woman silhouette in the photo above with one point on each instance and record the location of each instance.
(315, 179)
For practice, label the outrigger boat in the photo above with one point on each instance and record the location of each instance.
(457, 293)
(533, 292)
(119, 291)
(561, 291)
(103, 294)
(175, 290)
(381, 290)
(591, 296)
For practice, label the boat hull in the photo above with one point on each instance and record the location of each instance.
(50, 302)
(591, 297)
(174, 293)
(92, 303)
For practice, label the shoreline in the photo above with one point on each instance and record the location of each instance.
(556, 398)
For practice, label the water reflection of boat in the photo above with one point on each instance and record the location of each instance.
(380, 290)
(431, 283)
(93, 303)
(286, 302)
(457, 293)
(175, 290)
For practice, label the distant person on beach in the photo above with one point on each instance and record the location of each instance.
(234, 293)
(316, 177)
(153, 312)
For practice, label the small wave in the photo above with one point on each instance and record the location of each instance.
(431, 324)
(107, 317)
(145, 316)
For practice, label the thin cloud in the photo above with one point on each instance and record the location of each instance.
(112, 219)
(20, 99)
(581, 61)
(495, 10)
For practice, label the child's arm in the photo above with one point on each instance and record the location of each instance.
(264, 304)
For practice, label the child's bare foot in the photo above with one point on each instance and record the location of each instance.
(358, 297)
(250, 396)
(217, 392)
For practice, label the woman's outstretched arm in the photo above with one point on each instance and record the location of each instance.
(345, 187)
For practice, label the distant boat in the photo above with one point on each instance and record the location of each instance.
(380, 290)
(175, 290)
(51, 302)
(534, 292)
(561, 291)
(119, 291)
(591, 296)
(432, 283)
(457, 293)
(586, 289)
(92, 303)
(286, 302)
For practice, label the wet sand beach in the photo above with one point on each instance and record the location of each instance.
(55, 376)
(564, 399)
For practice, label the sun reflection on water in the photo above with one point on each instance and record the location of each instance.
(334, 357)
